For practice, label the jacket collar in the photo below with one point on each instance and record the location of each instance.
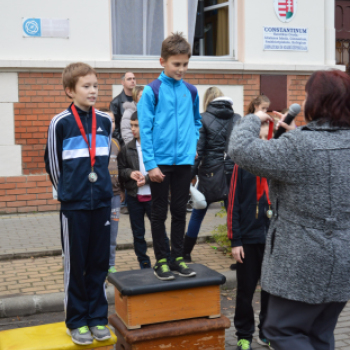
(81, 112)
(132, 144)
(169, 81)
(320, 126)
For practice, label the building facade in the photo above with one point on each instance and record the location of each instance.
(245, 47)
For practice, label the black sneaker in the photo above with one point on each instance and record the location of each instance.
(180, 266)
(162, 271)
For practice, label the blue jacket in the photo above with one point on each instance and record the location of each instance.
(169, 127)
(68, 163)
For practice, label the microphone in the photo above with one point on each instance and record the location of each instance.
(294, 110)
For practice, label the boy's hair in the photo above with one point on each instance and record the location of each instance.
(135, 92)
(211, 94)
(73, 72)
(134, 117)
(256, 101)
(175, 44)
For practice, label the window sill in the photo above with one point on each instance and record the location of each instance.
(151, 64)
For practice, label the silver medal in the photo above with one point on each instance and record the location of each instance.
(93, 177)
(269, 213)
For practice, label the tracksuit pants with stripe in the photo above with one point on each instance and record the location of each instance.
(86, 241)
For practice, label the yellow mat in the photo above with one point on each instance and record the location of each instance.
(47, 337)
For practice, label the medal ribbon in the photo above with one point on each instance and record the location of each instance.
(92, 150)
(261, 183)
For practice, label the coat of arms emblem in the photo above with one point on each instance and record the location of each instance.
(285, 9)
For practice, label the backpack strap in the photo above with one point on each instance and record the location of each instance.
(193, 90)
(155, 85)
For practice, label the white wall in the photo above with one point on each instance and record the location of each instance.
(10, 153)
(89, 30)
(310, 14)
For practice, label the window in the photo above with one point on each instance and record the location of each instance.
(137, 27)
(214, 28)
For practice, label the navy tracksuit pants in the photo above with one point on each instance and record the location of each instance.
(86, 240)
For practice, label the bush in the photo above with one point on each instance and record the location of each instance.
(220, 234)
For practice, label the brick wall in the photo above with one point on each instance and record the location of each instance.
(296, 93)
(41, 97)
(28, 193)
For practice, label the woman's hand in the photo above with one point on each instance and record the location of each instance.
(264, 117)
(238, 254)
(281, 116)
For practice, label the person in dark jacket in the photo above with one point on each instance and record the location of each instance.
(217, 119)
(247, 226)
(134, 177)
(116, 106)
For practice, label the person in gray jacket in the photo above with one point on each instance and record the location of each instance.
(129, 109)
(306, 266)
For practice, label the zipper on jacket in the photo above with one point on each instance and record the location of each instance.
(88, 133)
(177, 126)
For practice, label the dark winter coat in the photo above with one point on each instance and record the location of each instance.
(117, 108)
(307, 247)
(128, 161)
(212, 136)
(243, 226)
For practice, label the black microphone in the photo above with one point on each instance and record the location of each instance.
(294, 110)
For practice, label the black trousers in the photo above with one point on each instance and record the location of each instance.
(248, 275)
(137, 211)
(177, 179)
(86, 240)
(294, 325)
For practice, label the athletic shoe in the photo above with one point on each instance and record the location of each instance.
(100, 333)
(187, 258)
(112, 269)
(180, 266)
(243, 344)
(162, 271)
(264, 342)
(81, 336)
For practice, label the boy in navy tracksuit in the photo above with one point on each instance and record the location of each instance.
(169, 125)
(248, 220)
(76, 158)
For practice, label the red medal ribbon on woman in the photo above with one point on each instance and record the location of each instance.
(92, 149)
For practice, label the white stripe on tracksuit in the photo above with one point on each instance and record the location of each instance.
(52, 150)
(66, 249)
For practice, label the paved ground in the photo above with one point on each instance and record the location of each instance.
(37, 234)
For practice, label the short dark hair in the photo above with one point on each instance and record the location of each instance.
(134, 117)
(73, 72)
(328, 98)
(175, 44)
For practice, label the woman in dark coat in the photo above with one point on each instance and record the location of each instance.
(306, 267)
(217, 121)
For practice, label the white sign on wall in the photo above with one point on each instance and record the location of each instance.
(285, 9)
(290, 39)
(45, 28)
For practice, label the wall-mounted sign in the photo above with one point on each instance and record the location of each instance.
(285, 9)
(281, 38)
(45, 28)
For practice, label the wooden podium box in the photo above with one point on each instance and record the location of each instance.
(142, 299)
(194, 334)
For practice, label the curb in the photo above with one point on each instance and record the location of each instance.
(58, 251)
(27, 305)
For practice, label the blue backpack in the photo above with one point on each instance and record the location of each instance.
(155, 85)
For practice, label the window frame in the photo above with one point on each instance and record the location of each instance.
(232, 56)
